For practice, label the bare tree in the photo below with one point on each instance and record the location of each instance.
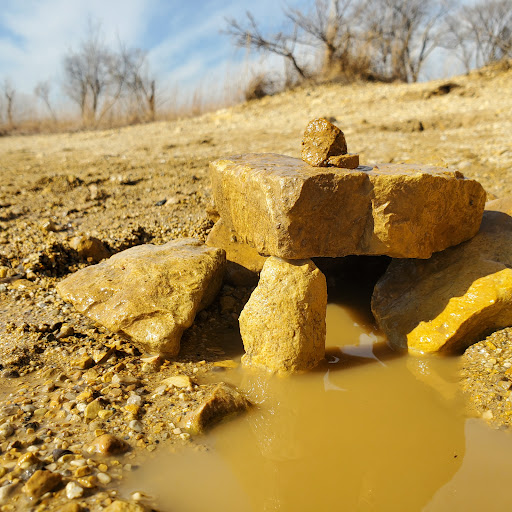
(403, 33)
(249, 35)
(87, 73)
(488, 25)
(330, 26)
(387, 39)
(9, 93)
(140, 82)
(42, 91)
(458, 39)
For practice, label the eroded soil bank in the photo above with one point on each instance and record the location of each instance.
(150, 184)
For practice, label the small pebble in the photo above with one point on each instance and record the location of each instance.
(73, 490)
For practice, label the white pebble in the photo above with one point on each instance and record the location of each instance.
(103, 478)
(73, 490)
(487, 415)
(134, 400)
(135, 425)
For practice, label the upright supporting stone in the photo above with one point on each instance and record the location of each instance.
(283, 323)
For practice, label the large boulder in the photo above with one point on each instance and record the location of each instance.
(455, 298)
(284, 207)
(149, 293)
(283, 323)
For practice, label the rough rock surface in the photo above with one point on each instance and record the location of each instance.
(283, 323)
(455, 298)
(223, 401)
(243, 261)
(149, 293)
(322, 140)
(284, 207)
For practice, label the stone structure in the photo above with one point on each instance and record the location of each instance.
(283, 323)
(455, 298)
(284, 207)
(149, 293)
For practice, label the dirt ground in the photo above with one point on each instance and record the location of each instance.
(150, 183)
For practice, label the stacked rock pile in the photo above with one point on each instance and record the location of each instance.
(449, 282)
(326, 205)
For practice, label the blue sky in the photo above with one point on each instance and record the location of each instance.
(183, 38)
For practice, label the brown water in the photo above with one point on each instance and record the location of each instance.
(369, 430)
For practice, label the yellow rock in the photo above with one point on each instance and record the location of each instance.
(178, 381)
(243, 261)
(348, 161)
(284, 207)
(150, 293)
(283, 323)
(92, 410)
(322, 140)
(237, 252)
(125, 506)
(455, 298)
(90, 248)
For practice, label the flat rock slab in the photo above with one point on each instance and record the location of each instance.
(455, 298)
(149, 293)
(284, 207)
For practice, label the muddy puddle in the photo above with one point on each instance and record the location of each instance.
(369, 430)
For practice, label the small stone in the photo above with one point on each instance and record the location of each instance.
(89, 248)
(134, 399)
(49, 225)
(349, 161)
(59, 453)
(178, 381)
(65, 331)
(42, 482)
(135, 425)
(6, 492)
(103, 478)
(89, 482)
(322, 140)
(6, 430)
(26, 460)
(125, 506)
(223, 401)
(108, 444)
(92, 410)
(84, 363)
(70, 507)
(73, 490)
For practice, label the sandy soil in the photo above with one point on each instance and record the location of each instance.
(149, 183)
